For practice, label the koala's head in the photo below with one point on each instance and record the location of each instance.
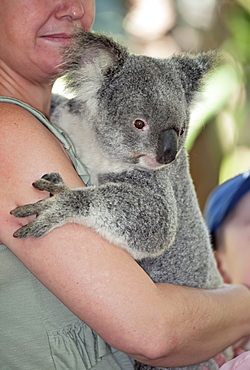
(138, 106)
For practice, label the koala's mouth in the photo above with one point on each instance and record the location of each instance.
(148, 161)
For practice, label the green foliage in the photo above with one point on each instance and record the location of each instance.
(227, 98)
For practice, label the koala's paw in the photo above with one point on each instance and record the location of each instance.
(51, 182)
(46, 219)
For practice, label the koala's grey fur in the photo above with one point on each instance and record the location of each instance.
(142, 197)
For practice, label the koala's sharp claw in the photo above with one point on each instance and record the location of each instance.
(18, 234)
(24, 211)
(53, 177)
(41, 184)
(34, 229)
(23, 233)
(46, 177)
(51, 182)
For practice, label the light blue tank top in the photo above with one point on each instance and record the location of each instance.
(37, 332)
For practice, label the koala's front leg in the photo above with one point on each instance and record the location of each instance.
(126, 214)
(51, 212)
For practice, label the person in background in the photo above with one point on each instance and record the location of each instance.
(71, 300)
(227, 215)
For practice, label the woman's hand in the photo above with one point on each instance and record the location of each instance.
(241, 362)
(220, 359)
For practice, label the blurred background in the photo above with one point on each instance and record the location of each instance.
(219, 137)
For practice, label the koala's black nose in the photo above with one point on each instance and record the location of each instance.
(167, 146)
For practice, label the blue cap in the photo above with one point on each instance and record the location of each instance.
(224, 198)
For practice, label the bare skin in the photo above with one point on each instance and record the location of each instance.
(99, 282)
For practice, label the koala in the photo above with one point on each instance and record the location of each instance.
(129, 121)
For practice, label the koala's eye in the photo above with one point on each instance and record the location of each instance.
(181, 132)
(139, 124)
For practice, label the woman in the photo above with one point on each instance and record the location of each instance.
(96, 282)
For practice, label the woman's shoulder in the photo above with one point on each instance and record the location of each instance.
(17, 124)
(28, 148)
(16, 115)
(21, 128)
(12, 106)
(9, 109)
(28, 151)
(25, 130)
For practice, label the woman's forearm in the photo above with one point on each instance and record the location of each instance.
(158, 324)
(204, 322)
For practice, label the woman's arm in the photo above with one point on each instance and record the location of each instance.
(158, 324)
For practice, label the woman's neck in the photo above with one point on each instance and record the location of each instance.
(15, 86)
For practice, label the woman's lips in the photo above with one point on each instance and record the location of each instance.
(58, 37)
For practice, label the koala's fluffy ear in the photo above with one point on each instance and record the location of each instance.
(91, 58)
(192, 69)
